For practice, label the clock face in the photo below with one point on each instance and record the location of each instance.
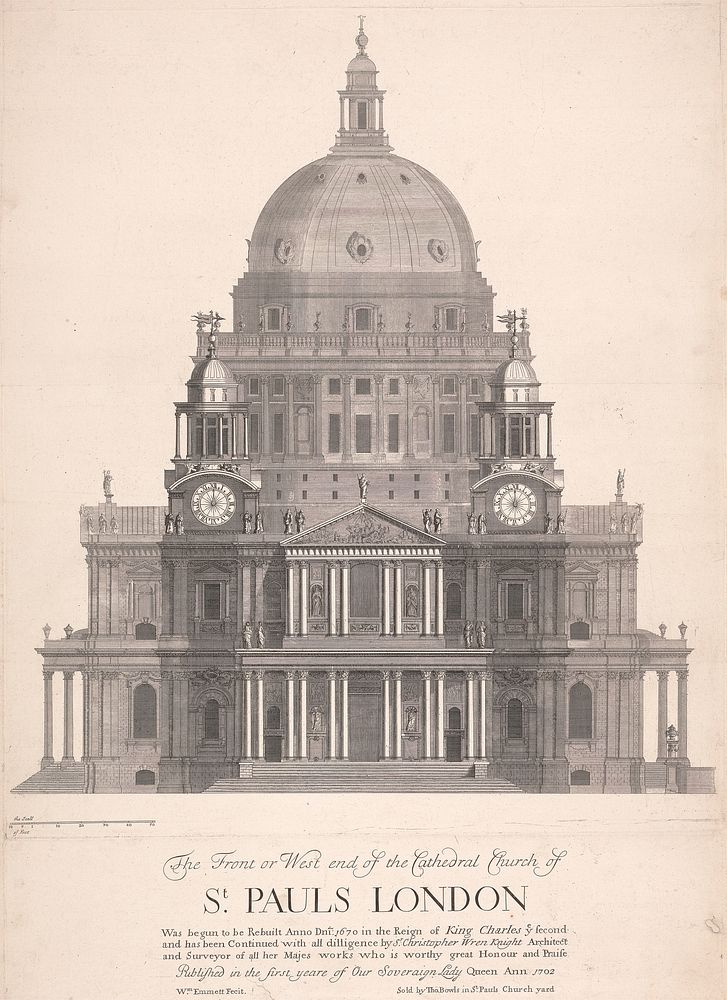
(213, 503)
(515, 504)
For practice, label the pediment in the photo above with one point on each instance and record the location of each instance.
(581, 568)
(364, 525)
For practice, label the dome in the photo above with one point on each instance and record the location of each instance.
(361, 64)
(515, 371)
(404, 218)
(210, 370)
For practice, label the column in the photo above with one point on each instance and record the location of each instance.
(397, 714)
(386, 599)
(409, 453)
(68, 717)
(439, 598)
(290, 717)
(397, 597)
(427, 728)
(387, 714)
(343, 120)
(663, 713)
(470, 714)
(380, 442)
(483, 716)
(220, 452)
(436, 449)
(303, 597)
(536, 419)
(346, 390)
(247, 676)
(238, 714)
(332, 714)
(190, 432)
(318, 416)
(264, 415)
(487, 712)
(232, 443)
(682, 681)
(560, 713)
(260, 716)
(550, 435)
(381, 113)
(463, 443)
(344, 714)
(86, 715)
(303, 714)
(48, 717)
(331, 598)
(439, 677)
(245, 435)
(178, 434)
(426, 602)
(345, 596)
(290, 414)
(290, 598)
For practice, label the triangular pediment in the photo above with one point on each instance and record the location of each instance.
(364, 525)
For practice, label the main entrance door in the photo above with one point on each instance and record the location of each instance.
(364, 716)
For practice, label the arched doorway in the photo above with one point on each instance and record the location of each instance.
(453, 736)
(273, 737)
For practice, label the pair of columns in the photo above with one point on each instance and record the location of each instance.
(488, 443)
(433, 722)
(339, 597)
(68, 757)
(234, 434)
(663, 711)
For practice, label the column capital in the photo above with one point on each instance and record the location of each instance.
(682, 676)
(662, 674)
(488, 674)
(386, 674)
(426, 674)
(303, 674)
(290, 675)
(470, 675)
(343, 674)
(259, 674)
(68, 673)
(439, 675)
(332, 674)
(396, 674)
(247, 674)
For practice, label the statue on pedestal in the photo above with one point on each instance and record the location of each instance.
(247, 523)
(411, 720)
(548, 524)
(481, 525)
(102, 523)
(107, 481)
(168, 524)
(288, 522)
(363, 487)
(560, 524)
(620, 481)
(468, 634)
(179, 524)
(471, 523)
(427, 519)
(437, 522)
(481, 634)
(260, 635)
(259, 522)
(316, 719)
(299, 520)
(247, 635)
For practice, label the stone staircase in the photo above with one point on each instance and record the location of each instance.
(654, 777)
(66, 779)
(332, 776)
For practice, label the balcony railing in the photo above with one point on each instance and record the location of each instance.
(245, 344)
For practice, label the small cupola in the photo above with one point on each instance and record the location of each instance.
(361, 105)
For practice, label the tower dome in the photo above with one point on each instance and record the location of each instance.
(361, 209)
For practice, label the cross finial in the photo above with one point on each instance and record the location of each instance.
(361, 39)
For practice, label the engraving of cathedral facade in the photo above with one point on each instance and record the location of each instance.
(365, 577)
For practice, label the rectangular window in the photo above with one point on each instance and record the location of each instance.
(253, 430)
(334, 387)
(334, 494)
(278, 477)
(446, 494)
(393, 386)
(416, 494)
(278, 494)
(417, 477)
(391, 477)
(278, 386)
(362, 114)
(446, 477)
(391, 494)
(448, 386)
(451, 319)
(474, 434)
(516, 441)
(362, 320)
(362, 387)
(334, 433)
(305, 494)
(363, 433)
(254, 386)
(393, 435)
(448, 432)
(210, 435)
(278, 433)
(212, 601)
(335, 477)
(305, 477)
(274, 319)
(516, 601)
(529, 437)
(198, 435)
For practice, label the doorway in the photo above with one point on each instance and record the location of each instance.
(364, 725)
(273, 748)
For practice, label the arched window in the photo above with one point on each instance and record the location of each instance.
(580, 630)
(272, 717)
(273, 600)
(212, 720)
(454, 601)
(454, 718)
(144, 600)
(580, 778)
(144, 778)
(514, 719)
(364, 590)
(145, 712)
(580, 712)
(145, 630)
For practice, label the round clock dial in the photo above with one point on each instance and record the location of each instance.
(213, 503)
(515, 504)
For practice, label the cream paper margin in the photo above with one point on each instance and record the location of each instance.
(584, 143)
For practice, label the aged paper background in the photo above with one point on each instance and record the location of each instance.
(585, 144)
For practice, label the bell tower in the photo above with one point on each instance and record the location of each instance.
(362, 105)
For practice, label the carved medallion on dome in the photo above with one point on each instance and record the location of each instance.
(320, 178)
(360, 247)
(439, 250)
(285, 251)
